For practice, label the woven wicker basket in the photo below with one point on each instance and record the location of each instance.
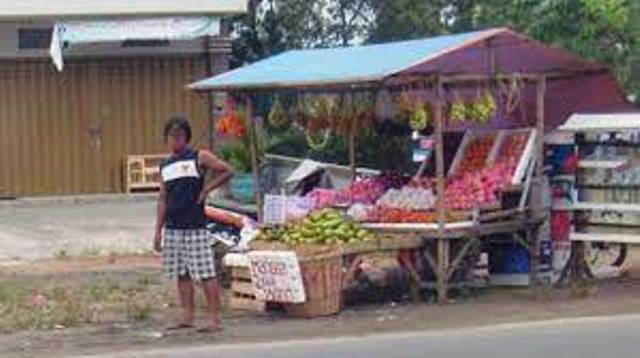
(322, 277)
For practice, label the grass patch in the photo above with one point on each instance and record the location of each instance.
(45, 303)
(138, 311)
(91, 251)
(61, 255)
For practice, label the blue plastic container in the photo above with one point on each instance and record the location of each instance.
(242, 188)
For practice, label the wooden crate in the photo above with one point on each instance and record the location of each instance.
(142, 172)
(242, 294)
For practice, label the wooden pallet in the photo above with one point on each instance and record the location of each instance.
(142, 172)
(242, 294)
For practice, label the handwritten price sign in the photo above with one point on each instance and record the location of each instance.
(276, 276)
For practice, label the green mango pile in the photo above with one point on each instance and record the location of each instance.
(325, 227)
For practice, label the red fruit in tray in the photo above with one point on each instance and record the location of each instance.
(475, 154)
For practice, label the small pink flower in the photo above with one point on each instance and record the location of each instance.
(39, 300)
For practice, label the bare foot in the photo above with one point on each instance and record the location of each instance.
(180, 326)
(211, 327)
(208, 329)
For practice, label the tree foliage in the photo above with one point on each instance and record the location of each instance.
(606, 31)
(601, 30)
(272, 26)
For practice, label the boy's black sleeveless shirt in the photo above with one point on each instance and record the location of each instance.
(183, 182)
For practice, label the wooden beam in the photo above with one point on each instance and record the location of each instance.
(537, 202)
(253, 149)
(438, 108)
(400, 80)
(460, 256)
(442, 246)
(431, 261)
(461, 78)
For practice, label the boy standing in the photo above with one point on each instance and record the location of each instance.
(181, 234)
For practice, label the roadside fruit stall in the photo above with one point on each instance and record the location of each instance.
(461, 193)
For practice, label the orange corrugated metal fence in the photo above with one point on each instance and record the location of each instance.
(67, 133)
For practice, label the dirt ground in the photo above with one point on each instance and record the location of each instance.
(102, 318)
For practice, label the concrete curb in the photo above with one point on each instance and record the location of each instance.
(78, 199)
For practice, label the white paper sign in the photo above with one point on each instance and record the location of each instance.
(275, 209)
(280, 209)
(276, 276)
(298, 207)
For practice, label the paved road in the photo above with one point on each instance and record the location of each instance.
(47, 229)
(577, 338)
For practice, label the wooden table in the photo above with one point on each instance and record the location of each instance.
(414, 243)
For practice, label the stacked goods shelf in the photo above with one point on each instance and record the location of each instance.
(142, 172)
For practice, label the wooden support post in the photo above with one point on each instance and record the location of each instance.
(211, 107)
(253, 148)
(460, 256)
(352, 153)
(537, 189)
(442, 246)
(431, 261)
(405, 259)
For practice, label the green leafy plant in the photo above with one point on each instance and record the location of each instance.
(237, 155)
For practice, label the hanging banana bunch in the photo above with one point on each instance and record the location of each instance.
(346, 114)
(483, 108)
(318, 141)
(277, 116)
(369, 114)
(403, 106)
(297, 112)
(329, 111)
(457, 109)
(489, 105)
(420, 116)
(313, 110)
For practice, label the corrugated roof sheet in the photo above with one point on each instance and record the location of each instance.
(602, 122)
(340, 65)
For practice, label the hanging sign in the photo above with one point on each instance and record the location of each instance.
(276, 276)
(422, 147)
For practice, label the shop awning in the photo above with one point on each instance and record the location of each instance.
(66, 34)
(465, 53)
(473, 54)
(341, 65)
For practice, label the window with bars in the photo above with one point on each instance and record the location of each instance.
(34, 38)
(145, 43)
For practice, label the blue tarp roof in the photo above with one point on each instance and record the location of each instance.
(339, 65)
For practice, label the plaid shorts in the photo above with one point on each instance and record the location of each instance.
(188, 252)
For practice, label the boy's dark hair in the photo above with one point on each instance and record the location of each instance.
(179, 122)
